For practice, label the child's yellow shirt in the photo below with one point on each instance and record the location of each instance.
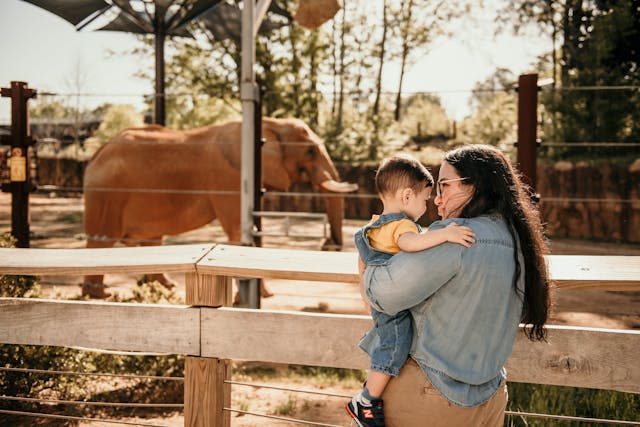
(385, 238)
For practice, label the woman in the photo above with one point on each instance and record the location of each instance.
(466, 303)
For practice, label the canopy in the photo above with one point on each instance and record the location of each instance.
(159, 17)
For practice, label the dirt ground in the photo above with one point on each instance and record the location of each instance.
(56, 222)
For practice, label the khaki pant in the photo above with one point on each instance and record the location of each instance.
(411, 401)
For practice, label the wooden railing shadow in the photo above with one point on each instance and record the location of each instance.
(211, 334)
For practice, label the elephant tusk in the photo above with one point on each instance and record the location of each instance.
(338, 187)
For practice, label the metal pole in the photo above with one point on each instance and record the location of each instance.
(257, 179)
(527, 127)
(248, 289)
(159, 97)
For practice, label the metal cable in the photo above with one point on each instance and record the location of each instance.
(353, 92)
(286, 389)
(191, 192)
(68, 417)
(93, 403)
(275, 417)
(159, 191)
(590, 88)
(182, 143)
(589, 144)
(584, 200)
(308, 194)
(91, 374)
(571, 418)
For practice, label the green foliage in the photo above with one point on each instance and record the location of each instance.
(287, 407)
(17, 286)
(598, 47)
(115, 119)
(495, 123)
(570, 401)
(153, 292)
(45, 109)
(424, 116)
(73, 387)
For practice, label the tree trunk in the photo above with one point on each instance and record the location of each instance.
(373, 149)
(313, 77)
(406, 23)
(343, 31)
(295, 70)
(334, 70)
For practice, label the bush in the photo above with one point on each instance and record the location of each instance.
(80, 387)
(17, 286)
(569, 401)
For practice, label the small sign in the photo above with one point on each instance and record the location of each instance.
(18, 165)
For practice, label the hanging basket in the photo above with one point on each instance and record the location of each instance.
(313, 13)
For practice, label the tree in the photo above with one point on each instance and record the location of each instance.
(416, 23)
(599, 49)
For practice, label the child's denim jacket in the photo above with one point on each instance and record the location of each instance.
(368, 254)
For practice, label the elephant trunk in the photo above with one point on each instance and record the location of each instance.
(334, 203)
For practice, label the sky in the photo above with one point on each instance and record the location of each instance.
(46, 51)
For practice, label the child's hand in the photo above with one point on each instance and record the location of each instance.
(460, 234)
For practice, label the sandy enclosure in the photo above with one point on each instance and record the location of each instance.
(56, 222)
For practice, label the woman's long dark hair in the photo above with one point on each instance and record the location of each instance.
(498, 189)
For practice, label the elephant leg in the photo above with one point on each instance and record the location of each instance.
(92, 285)
(162, 278)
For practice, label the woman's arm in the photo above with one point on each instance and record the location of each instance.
(361, 268)
(411, 277)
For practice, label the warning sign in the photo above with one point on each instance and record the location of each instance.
(18, 166)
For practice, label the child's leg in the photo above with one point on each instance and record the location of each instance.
(376, 383)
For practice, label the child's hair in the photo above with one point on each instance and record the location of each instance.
(402, 171)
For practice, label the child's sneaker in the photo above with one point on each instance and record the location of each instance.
(366, 416)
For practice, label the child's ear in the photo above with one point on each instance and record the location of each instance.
(406, 194)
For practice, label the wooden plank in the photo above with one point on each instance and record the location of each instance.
(568, 271)
(208, 290)
(101, 325)
(206, 393)
(268, 263)
(578, 357)
(621, 273)
(134, 260)
(284, 337)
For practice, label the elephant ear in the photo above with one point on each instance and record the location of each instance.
(274, 173)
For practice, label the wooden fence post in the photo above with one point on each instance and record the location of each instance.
(527, 127)
(20, 140)
(206, 392)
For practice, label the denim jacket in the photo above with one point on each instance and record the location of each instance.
(463, 304)
(368, 254)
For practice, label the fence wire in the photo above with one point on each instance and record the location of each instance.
(92, 403)
(69, 417)
(275, 417)
(571, 418)
(91, 374)
(299, 194)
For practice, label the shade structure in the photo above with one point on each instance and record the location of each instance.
(161, 18)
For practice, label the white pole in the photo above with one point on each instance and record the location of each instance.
(248, 96)
(248, 288)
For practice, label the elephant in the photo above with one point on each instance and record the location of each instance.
(194, 177)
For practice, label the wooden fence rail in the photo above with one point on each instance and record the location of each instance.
(211, 335)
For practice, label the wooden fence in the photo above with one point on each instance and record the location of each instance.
(211, 334)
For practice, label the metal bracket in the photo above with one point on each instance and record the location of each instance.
(249, 91)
